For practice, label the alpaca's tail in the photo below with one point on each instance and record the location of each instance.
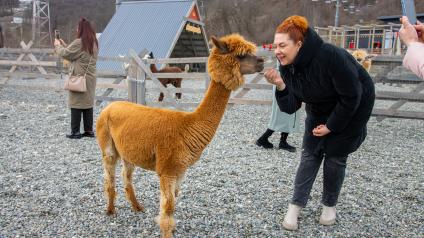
(104, 137)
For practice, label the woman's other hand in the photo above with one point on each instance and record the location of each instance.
(320, 130)
(273, 77)
(57, 42)
(420, 31)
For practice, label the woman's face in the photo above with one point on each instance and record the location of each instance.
(285, 48)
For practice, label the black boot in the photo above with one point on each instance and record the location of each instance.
(283, 143)
(88, 134)
(263, 140)
(76, 135)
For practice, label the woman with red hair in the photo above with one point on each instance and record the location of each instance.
(339, 96)
(82, 53)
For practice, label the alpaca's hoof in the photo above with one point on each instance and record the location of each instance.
(110, 211)
(166, 234)
(138, 208)
(167, 225)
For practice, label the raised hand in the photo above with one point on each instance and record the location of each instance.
(273, 77)
(408, 34)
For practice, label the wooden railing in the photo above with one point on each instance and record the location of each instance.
(134, 82)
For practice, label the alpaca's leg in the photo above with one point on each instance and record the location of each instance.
(177, 84)
(109, 165)
(127, 172)
(180, 179)
(161, 95)
(167, 205)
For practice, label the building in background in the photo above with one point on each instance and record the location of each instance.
(169, 29)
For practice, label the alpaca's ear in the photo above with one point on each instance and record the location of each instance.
(223, 49)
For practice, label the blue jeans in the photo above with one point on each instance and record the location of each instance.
(334, 173)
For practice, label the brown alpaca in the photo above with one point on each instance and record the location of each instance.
(176, 82)
(168, 141)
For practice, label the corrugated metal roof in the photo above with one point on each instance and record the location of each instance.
(153, 25)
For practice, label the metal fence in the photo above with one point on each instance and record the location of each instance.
(376, 39)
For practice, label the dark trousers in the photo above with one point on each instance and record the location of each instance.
(334, 173)
(76, 119)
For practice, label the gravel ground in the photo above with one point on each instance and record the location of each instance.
(52, 187)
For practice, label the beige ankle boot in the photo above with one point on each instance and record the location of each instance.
(328, 216)
(290, 220)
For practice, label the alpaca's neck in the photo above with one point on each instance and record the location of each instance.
(153, 68)
(212, 108)
(205, 119)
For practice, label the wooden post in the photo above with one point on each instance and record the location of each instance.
(392, 40)
(369, 40)
(21, 56)
(330, 33)
(137, 81)
(357, 37)
(141, 86)
(373, 39)
(168, 95)
(383, 42)
(132, 78)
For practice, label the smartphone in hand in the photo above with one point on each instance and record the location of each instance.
(57, 34)
(408, 9)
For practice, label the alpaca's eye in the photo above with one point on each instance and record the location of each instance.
(241, 56)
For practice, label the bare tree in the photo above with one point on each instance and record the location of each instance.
(6, 7)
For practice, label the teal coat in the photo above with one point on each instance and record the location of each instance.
(281, 121)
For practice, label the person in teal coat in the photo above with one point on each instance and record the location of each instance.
(280, 122)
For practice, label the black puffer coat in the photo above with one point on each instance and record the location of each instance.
(337, 90)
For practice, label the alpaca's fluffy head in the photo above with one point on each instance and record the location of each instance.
(363, 58)
(359, 54)
(231, 57)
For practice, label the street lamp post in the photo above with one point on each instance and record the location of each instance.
(336, 19)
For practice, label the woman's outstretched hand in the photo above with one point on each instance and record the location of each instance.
(273, 77)
(320, 130)
(58, 42)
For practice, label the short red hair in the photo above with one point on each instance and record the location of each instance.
(295, 26)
